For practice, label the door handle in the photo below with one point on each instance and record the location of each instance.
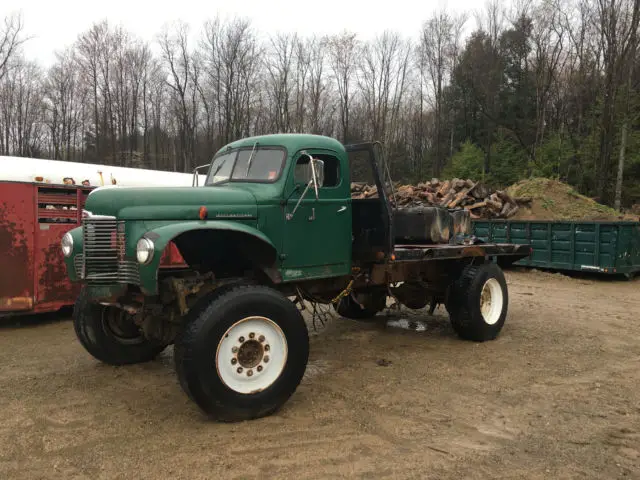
(313, 215)
(342, 209)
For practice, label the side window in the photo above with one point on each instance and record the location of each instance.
(331, 170)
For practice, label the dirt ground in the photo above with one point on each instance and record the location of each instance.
(556, 396)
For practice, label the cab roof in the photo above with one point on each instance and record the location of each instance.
(293, 142)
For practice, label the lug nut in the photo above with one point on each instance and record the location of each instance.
(234, 361)
(234, 349)
(267, 347)
(266, 359)
(249, 373)
(252, 335)
(241, 339)
(239, 370)
(259, 368)
(261, 338)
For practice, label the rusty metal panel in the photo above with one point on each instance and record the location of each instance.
(57, 213)
(17, 225)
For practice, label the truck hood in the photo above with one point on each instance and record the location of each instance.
(172, 203)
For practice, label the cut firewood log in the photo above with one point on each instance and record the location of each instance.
(504, 196)
(444, 188)
(445, 201)
(476, 205)
(452, 194)
(461, 196)
(513, 209)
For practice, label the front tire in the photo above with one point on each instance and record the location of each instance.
(110, 335)
(244, 355)
(478, 303)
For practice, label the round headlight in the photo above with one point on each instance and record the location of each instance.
(144, 250)
(67, 244)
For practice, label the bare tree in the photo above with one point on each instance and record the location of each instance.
(63, 102)
(280, 67)
(343, 54)
(319, 89)
(628, 117)
(181, 80)
(10, 41)
(21, 111)
(382, 80)
(617, 21)
(438, 50)
(89, 46)
(548, 38)
(231, 60)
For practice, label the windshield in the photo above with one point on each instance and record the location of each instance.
(265, 166)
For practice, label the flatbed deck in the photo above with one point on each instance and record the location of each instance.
(512, 252)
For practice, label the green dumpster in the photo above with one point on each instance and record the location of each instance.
(605, 247)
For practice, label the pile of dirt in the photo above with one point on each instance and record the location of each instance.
(553, 200)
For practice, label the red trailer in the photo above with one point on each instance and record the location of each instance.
(35, 212)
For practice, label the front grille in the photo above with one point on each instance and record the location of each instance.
(103, 253)
(78, 263)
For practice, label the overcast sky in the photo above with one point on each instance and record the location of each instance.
(53, 25)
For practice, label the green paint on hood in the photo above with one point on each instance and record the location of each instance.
(172, 203)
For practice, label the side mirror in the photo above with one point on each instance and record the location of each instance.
(311, 173)
(318, 172)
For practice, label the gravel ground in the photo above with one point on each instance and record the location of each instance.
(555, 396)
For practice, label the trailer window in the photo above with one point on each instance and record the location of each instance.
(57, 205)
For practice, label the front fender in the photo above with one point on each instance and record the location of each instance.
(76, 234)
(163, 235)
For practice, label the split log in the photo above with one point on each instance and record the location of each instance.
(476, 205)
(511, 211)
(461, 196)
(445, 187)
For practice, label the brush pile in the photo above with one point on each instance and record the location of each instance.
(453, 194)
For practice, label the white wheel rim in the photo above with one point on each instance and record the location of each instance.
(491, 301)
(251, 355)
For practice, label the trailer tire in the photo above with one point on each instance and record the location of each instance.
(478, 302)
(244, 355)
(109, 334)
(348, 308)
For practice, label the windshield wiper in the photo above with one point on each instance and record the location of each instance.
(250, 158)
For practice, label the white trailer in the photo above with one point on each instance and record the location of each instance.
(56, 172)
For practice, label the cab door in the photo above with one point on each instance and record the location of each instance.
(317, 237)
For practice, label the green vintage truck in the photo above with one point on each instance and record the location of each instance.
(273, 226)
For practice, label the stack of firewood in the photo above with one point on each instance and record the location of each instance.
(452, 194)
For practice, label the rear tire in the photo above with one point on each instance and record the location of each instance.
(110, 335)
(244, 355)
(478, 303)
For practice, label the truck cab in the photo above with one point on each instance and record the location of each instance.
(273, 221)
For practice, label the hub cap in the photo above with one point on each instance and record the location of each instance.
(491, 301)
(121, 326)
(251, 355)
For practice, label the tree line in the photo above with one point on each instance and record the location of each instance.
(528, 88)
